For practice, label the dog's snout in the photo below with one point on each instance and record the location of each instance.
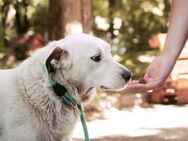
(126, 75)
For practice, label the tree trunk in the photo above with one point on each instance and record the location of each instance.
(1, 36)
(69, 16)
(111, 18)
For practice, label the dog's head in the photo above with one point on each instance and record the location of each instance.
(87, 61)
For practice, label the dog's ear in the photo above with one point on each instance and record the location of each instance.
(53, 62)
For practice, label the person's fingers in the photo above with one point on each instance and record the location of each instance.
(139, 86)
(135, 84)
(132, 84)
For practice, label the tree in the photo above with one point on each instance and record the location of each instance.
(138, 21)
(67, 16)
(13, 19)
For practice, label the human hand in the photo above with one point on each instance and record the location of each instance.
(156, 74)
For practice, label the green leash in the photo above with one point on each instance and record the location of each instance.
(71, 101)
(84, 125)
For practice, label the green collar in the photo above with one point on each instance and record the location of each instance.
(70, 101)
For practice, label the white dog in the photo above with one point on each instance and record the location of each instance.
(31, 110)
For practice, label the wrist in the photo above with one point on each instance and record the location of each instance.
(168, 63)
(170, 54)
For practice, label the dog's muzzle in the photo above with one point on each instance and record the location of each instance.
(126, 75)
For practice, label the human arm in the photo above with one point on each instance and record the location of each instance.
(159, 70)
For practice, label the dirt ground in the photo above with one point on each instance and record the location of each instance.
(160, 123)
(177, 134)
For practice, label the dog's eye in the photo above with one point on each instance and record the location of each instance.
(96, 58)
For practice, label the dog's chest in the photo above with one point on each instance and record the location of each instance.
(56, 120)
(59, 123)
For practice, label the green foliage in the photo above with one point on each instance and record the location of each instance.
(19, 16)
(140, 20)
(1, 36)
(38, 13)
(100, 7)
(1, 29)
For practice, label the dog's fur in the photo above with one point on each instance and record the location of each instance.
(29, 108)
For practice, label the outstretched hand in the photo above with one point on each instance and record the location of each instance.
(155, 76)
(159, 70)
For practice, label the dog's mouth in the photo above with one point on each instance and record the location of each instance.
(104, 88)
(89, 90)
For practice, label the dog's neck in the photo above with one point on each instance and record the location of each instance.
(58, 89)
(61, 90)
(63, 85)
(36, 75)
(38, 92)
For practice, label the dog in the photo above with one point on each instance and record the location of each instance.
(30, 109)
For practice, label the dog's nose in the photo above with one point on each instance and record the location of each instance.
(126, 75)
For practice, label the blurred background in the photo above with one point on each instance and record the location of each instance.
(136, 30)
